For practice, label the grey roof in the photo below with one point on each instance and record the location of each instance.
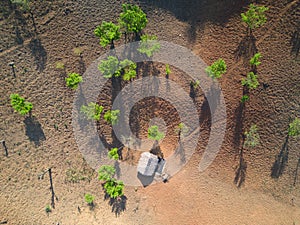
(147, 164)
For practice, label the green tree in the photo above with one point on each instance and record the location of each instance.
(254, 61)
(92, 111)
(20, 105)
(128, 69)
(106, 172)
(89, 199)
(48, 209)
(251, 81)
(73, 80)
(181, 129)
(255, 16)
(294, 128)
(110, 67)
(114, 188)
(251, 137)
(113, 154)
(154, 133)
(132, 19)
(149, 45)
(217, 69)
(108, 32)
(112, 116)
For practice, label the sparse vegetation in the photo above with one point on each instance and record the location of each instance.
(149, 45)
(168, 70)
(106, 172)
(251, 81)
(195, 84)
(181, 129)
(111, 116)
(294, 128)
(73, 80)
(77, 51)
(251, 137)
(154, 133)
(217, 69)
(108, 32)
(60, 65)
(255, 16)
(20, 105)
(92, 111)
(24, 4)
(89, 199)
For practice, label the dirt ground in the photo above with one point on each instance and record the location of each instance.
(267, 191)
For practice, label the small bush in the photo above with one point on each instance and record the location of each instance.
(251, 137)
(24, 4)
(73, 80)
(195, 84)
(48, 209)
(217, 69)
(255, 16)
(106, 173)
(92, 111)
(181, 129)
(60, 65)
(294, 128)
(114, 188)
(20, 105)
(89, 199)
(110, 67)
(251, 81)
(168, 70)
(113, 154)
(245, 98)
(128, 69)
(112, 116)
(133, 19)
(107, 32)
(77, 51)
(254, 61)
(154, 133)
(149, 45)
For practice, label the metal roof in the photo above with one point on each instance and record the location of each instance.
(147, 164)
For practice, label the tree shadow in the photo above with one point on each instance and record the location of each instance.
(296, 172)
(199, 12)
(34, 130)
(238, 129)
(82, 66)
(118, 205)
(281, 160)
(295, 42)
(181, 152)
(145, 180)
(240, 173)
(246, 48)
(39, 53)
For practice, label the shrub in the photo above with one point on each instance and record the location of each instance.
(114, 188)
(255, 16)
(48, 209)
(106, 173)
(251, 81)
(113, 154)
(154, 133)
(110, 67)
(244, 98)
(24, 4)
(133, 19)
(73, 80)
(111, 116)
(149, 45)
(168, 70)
(20, 105)
(181, 129)
(251, 137)
(108, 32)
(217, 69)
(294, 128)
(89, 199)
(128, 69)
(254, 61)
(92, 111)
(77, 51)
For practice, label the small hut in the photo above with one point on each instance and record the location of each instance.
(147, 164)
